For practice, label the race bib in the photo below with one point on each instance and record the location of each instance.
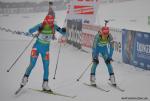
(44, 37)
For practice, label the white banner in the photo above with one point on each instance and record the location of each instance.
(83, 9)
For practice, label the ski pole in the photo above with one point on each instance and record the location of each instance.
(84, 71)
(20, 55)
(57, 61)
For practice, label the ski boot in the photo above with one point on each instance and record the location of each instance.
(22, 84)
(24, 81)
(112, 80)
(46, 87)
(92, 80)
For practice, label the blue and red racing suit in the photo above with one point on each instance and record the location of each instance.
(41, 46)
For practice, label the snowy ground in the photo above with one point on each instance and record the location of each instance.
(72, 63)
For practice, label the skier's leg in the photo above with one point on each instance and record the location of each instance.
(33, 59)
(94, 66)
(111, 74)
(93, 71)
(109, 67)
(45, 59)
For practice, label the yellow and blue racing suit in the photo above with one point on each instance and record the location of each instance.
(100, 46)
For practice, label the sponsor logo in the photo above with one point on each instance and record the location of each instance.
(85, 10)
(143, 48)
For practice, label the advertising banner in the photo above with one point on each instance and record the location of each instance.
(84, 10)
(136, 48)
(80, 12)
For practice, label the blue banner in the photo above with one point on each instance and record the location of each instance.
(136, 48)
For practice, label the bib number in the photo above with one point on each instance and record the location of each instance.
(44, 37)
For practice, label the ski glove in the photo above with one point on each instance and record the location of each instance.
(36, 35)
(64, 29)
(58, 29)
(108, 60)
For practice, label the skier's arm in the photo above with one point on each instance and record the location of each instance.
(111, 42)
(94, 47)
(62, 31)
(95, 42)
(35, 28)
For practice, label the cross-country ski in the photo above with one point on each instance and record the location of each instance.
(18, 90)
(97, 87)
(53, 93)
(116, 87)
